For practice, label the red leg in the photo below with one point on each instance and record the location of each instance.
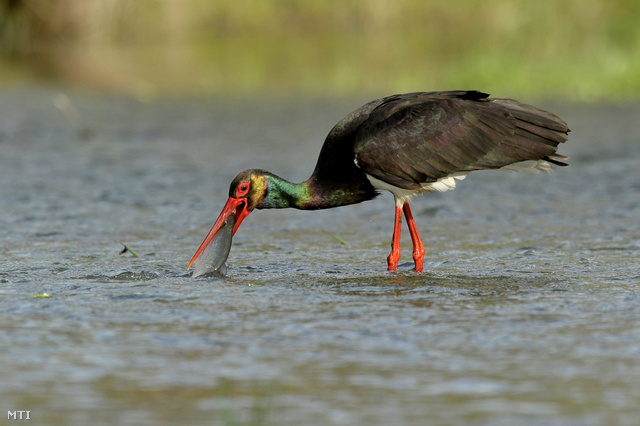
(418, 248)
(394, 256)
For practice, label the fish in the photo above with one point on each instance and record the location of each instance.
(215, 255)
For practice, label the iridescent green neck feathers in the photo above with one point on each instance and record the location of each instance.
(312, 194)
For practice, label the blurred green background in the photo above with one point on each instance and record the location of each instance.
(564, 49)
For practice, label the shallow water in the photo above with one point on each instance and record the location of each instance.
(528, 311)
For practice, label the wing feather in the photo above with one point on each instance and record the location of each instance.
(406, 140)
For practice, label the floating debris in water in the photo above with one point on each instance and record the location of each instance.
(127, 249)
(75, 120)
(40, 296)
(335, 237)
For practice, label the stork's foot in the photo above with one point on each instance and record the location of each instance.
(392, 263)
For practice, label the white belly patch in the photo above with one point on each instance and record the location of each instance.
(449, 182)
(403, 195)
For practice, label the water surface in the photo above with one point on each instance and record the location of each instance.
(528, 311)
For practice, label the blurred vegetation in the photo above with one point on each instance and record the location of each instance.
(565, 49)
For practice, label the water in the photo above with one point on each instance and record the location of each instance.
(528, 311)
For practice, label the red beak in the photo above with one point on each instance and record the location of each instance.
(239, 205)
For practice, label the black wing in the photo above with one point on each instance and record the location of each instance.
(406, 140)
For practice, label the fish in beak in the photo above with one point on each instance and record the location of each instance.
(214, 250)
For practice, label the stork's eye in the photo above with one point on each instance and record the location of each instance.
(243, 189)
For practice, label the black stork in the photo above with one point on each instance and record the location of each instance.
(407, 144)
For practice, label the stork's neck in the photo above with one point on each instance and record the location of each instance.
(313, 193)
